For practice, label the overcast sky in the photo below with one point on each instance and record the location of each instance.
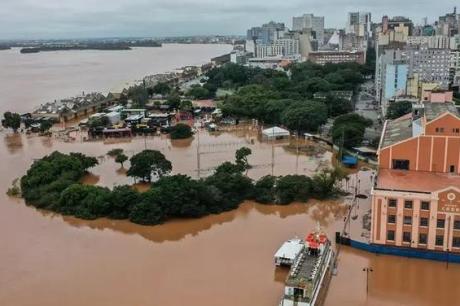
(102, 18)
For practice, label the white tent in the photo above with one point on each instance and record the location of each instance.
(275, 133)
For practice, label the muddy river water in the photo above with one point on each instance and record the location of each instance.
(224, 259)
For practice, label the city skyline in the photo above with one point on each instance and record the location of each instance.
(24, 19)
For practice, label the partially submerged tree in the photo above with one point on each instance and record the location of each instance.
(121, 158)
(149, 163)
(241, 158)
(181, 131)
(11, 120)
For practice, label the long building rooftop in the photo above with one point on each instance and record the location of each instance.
(415, 181)
(401, 128)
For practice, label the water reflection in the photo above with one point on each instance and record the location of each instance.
(178, 229)
(182, 143)
(13, 142)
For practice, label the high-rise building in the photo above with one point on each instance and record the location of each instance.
(434, 42)
(359, 23)
(266, 33)
(309, 21)
(431, 65)
(391, 73)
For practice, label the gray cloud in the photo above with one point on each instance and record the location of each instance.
(96, 18)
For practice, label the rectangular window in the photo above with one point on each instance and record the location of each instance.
(392, 202)
(440, 223)
(439, 240)
(407, 220)
(423, 221)
(425, 205)
(406, 237)
(457, 224)
(401, 164)
(456, 242)
(391, 219)
(391, 235)
(408, 204)
(422, 238)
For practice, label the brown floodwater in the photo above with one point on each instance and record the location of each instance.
(225, 259)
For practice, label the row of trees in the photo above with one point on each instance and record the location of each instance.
(53, 183)
(273, 97)
(13, 121)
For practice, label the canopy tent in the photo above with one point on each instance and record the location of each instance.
(275, 133)
(349, 161)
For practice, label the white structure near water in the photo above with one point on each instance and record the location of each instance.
(288, 252)
(275, 133)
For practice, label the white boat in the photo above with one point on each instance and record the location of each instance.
(310, 272)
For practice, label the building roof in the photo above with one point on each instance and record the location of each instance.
(434, 110)
(204, 103)
(397, 130)
(415, 181)
(275, 132)
(290, 249)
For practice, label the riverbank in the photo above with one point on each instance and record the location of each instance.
(49, 76)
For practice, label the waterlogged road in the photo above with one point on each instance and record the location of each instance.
(225, 259)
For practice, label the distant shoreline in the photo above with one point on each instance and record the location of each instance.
(96, 46)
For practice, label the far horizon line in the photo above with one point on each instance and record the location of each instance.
(119, 37)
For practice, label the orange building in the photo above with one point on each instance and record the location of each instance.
(416, 197)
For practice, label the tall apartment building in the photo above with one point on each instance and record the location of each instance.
(431, 65)
(391, 73)
(336, 57)
(290, 46)
(359, 23)
(266, 33)
(310, 21)
(283, 47)
(397, 29)
(455, 68)
(268, 50)
(433, 42)
(416, 197)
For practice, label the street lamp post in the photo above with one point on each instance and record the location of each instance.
(367, 270)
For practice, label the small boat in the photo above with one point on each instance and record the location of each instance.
(310, 272)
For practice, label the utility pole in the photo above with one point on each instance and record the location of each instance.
(367, 270)
(297, 153)
(273, 151)
(198, 161)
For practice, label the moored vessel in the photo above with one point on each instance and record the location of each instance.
(310, 271)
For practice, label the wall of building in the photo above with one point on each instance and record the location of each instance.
(426, 153)
(441, 206)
